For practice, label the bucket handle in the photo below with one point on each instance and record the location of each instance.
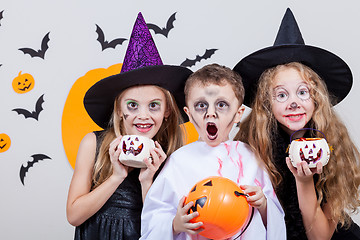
(306, 129)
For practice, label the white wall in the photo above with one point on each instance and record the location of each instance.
(36, 210)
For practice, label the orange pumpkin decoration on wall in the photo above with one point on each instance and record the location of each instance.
(23, 83)
(222, 207)
(5, 142)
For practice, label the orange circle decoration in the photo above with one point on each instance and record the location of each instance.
(76, 123)
(23, 83)
(191, 134)
(5, 142)
(222, 207)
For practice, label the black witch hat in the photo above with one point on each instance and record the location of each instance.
(289, 46)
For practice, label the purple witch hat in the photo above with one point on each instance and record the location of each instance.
(142, 66)
(141, 51)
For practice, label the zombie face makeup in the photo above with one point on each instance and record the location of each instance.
(213, 110)
(292, 104)
(143, 109)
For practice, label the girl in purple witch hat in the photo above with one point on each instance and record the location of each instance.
(105, 197)
(291, 86)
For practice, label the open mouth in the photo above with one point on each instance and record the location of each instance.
(212, 131)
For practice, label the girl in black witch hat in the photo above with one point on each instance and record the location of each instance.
(105, 197)
(291, 86)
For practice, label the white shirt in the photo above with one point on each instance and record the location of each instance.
(195, 162)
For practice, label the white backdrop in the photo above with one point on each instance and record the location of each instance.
(36, 210)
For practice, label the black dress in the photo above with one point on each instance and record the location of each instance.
(287, 195)
(120, 217)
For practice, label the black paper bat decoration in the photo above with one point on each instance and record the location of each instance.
(24, 170)
(105, 44)
(1, 16)
(33, 114)
(41, 52)
(164, 31)
(191, 62)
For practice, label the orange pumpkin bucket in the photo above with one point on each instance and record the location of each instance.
(222, 207)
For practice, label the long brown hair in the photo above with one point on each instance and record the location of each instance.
(340, 180)
(169, 136)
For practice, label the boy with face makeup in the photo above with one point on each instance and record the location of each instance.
(214, 96)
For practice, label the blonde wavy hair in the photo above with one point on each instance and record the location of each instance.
(339, 182)
(170, 136)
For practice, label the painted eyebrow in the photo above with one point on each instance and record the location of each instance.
(303, 82)
(304, 85)
(200, 98)
(222, 98)
(156, 102)
(130, 100)
(279, 86)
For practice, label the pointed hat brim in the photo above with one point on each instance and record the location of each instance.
(332, 69)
